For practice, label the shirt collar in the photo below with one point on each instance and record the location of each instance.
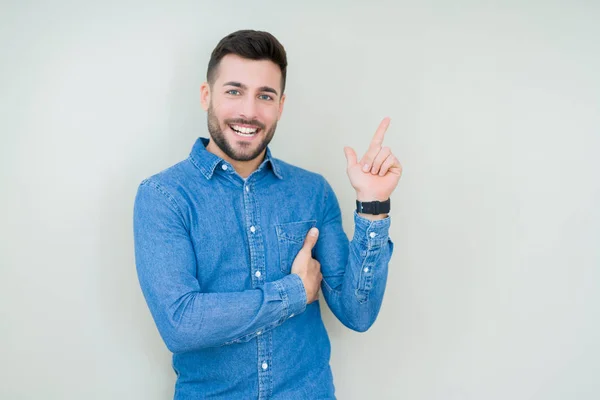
(207, 161)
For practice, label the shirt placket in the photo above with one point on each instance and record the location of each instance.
(257, 271)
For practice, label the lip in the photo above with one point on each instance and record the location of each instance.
(246, 126)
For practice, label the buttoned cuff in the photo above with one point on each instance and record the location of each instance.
(293, 294)
(371, 233)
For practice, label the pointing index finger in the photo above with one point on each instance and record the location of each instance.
(377, 140)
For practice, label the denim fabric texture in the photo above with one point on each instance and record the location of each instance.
(213, 255)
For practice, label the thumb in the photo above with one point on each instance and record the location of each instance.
(311, 239)
(350, 156)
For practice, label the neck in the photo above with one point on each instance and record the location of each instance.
(243, 168)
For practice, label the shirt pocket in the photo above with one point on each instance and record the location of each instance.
(290, 239)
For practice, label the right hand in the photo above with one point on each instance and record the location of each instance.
(308, 268)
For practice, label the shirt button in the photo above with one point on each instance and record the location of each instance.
(372, 234)
(257, 274)
(247, 188)
(265, 366)
(252, 229)
(291, 315)
(366, 269)
(259, 333)
(224, 167)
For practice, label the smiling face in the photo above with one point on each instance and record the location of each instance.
(244, 103)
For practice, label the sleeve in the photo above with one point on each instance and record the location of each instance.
(187, 318)
(354, 272)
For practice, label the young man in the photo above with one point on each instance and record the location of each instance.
(233, 245)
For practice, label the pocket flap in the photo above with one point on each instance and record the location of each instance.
(295, 231)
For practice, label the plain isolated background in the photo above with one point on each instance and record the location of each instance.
(494, 286)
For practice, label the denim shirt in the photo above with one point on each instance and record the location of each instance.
(214, 254)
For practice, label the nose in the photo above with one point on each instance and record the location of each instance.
(249, 108)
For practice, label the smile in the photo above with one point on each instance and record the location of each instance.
(244, 131)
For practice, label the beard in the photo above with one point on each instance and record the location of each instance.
(245, 152)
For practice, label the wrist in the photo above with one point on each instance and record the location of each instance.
(372, 217)
(372, 207)
(360, 196)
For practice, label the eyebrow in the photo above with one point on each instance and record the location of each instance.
(242, 86)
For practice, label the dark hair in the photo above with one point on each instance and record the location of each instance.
(251, 44)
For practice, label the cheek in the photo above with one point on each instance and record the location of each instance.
(222, 111)
(269, 115)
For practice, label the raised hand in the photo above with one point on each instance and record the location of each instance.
(377, 174)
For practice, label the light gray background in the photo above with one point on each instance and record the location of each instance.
(493, 288)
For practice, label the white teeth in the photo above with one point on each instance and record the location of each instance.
(244, 134)
(244, 130)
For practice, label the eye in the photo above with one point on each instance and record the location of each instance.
(265, 97)
(233, 92)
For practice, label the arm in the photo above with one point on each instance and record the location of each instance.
(187, 318)
(355, 272)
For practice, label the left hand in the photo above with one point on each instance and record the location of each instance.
(377, 174)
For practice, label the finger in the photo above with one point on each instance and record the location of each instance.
(367, 160)
(316, 264)
(379, 159)
(389, 163)
(375, 146)
(350, 156)
(380, 132)
(311, 239)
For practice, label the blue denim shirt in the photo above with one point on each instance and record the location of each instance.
(214, 253)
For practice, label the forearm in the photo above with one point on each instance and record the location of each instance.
(187, 316)
(355, 291)
(196, 320)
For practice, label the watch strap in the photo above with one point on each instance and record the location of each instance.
(373, 207)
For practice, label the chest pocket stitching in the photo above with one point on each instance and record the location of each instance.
(290, 238)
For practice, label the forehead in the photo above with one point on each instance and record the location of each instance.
(252, 73)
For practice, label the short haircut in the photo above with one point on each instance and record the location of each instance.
(251, 44)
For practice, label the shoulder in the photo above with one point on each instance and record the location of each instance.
(170, 181)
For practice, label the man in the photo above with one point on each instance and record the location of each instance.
(233, 245)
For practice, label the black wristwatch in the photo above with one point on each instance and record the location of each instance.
(373, 207)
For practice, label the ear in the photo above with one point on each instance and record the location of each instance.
(205, 95)
(281, 106)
